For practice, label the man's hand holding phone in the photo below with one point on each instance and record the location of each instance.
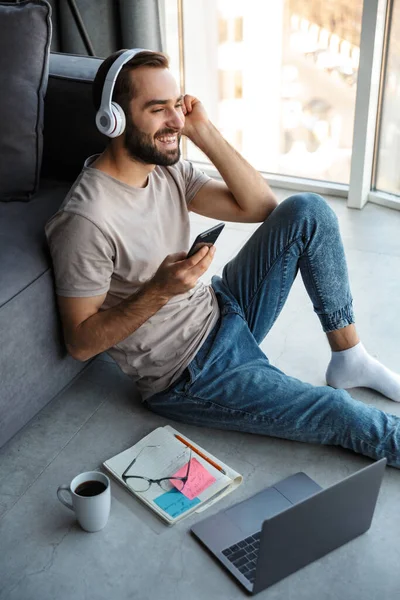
(207, 238)
(178, 274)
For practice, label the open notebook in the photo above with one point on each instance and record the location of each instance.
(162, 454)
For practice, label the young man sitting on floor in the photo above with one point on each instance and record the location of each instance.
(124, 284)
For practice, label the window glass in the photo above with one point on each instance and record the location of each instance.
(388, 172)
(278, 76)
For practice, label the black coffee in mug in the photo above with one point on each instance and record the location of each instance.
(90, 488)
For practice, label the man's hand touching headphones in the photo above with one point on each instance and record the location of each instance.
(195, 115)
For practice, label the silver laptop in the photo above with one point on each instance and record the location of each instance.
(289, 525)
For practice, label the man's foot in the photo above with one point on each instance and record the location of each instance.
(356, 368)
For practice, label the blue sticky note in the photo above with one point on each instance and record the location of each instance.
(174, 503)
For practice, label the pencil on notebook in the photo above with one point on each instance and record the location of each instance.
(181, 439)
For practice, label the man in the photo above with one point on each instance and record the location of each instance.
(124, 284)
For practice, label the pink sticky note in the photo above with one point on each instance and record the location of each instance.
(199, 479)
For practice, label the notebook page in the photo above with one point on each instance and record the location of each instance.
(162, 455)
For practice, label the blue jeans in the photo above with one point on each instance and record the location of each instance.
(230, 384)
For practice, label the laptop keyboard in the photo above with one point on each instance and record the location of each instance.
(243, 555)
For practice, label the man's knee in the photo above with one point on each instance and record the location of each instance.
(311, 206)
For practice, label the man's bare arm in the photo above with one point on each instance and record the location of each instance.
(89, 331)
(102, 330)
(245, 195)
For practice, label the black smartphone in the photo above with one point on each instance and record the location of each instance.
(207, 238)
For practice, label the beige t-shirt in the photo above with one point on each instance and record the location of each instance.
(110, 237)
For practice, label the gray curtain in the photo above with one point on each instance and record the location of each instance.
(110, 24)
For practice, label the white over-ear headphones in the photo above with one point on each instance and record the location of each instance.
(110, 118)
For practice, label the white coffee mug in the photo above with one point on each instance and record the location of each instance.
(91, 499)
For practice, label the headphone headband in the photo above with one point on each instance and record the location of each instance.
(110, 118)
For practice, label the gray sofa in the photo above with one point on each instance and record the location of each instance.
(34, 364)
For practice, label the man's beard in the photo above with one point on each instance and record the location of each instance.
(141, 146)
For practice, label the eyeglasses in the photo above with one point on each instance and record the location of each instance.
(142, 484)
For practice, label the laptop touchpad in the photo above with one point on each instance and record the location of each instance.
(250, 514)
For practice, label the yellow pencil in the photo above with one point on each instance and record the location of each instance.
(178, 437)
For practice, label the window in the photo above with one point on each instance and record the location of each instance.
(238, 29)
(284, 73)
(222, 31)
(230, 84)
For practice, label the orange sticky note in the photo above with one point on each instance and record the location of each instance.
(199, 479)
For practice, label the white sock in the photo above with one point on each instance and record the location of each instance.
(356, 368)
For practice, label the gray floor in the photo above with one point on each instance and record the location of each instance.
(45, 555)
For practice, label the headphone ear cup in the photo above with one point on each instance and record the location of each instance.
(104, 121)
(119, 118)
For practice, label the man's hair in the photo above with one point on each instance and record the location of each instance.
(124, 89)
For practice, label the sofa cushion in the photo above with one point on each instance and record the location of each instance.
(70, 133)
(25, 36)
(23, 246)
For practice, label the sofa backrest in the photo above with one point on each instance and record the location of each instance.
(70, 133)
